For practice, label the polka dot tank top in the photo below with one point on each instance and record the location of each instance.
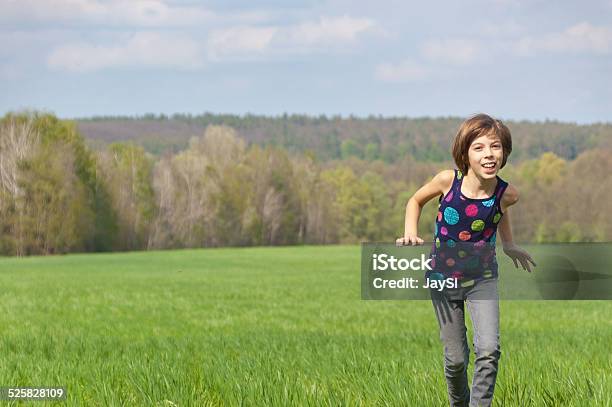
(465, 234)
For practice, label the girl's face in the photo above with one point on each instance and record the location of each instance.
(485, 156)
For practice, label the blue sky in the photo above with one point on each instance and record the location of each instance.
(515, 59)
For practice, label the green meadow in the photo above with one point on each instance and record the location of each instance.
(268, 326)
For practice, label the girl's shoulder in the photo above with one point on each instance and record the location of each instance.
(510, 196)
(444, 181)
(445, 177)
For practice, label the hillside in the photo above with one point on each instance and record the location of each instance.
(330, 138)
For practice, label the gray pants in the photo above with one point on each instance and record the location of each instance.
(483, 305)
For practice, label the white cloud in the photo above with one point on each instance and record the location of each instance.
(170, 49)
(21, 51)
(451, 51)
(436, 55)
(328, 30)
(239, 40)
(312, 36)
(114, 12)
(405, 71)
(144, 49)
(582, 37)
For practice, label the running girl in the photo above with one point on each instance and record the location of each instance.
(474, 206)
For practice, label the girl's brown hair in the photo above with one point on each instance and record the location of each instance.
(474, 127)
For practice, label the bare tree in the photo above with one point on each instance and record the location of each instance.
(18, 142)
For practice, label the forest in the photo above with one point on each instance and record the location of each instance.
(118, 184)
(335, 138)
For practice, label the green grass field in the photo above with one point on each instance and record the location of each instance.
(269, 326)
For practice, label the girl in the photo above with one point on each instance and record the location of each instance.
(474, 203)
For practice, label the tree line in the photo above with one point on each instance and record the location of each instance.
(388, 139)
(58, 196)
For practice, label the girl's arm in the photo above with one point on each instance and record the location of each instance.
(510, 197)
(439, 185)
(513, 251)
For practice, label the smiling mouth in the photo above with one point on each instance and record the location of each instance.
(489, 165)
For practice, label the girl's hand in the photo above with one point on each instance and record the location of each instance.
(520, 255)
(409, 240)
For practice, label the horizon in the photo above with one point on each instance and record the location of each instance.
(244, 115)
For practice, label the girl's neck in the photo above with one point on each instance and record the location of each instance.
(475, 187)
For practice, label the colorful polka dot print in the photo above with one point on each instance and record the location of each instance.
(478, 225)
(465, 233)
(471, 210)
(451, 216)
